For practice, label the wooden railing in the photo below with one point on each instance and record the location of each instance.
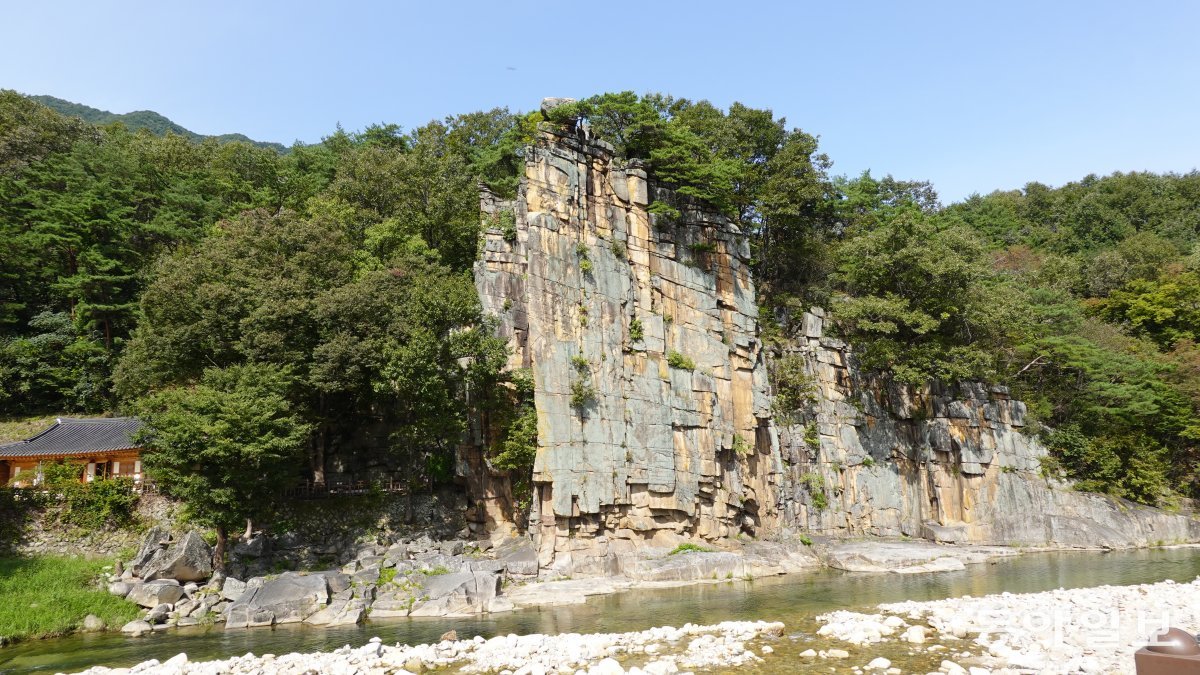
(320, 490)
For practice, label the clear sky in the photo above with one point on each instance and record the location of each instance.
(974, 96)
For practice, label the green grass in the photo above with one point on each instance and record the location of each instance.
(688, 547)
(20, 428)
(47, 596)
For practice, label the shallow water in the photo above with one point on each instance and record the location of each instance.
(793, 599)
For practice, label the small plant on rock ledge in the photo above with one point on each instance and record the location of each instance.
(688, 547)
(741, 446)
(583, 394)
(618, 249)
(506, 222)
(636, 331)
(677, 360)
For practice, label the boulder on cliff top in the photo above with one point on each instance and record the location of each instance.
(551, 102)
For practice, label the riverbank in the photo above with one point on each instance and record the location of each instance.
(48, 596)
(1090, 630)
(657, 651)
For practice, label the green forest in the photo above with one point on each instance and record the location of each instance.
(279, 300)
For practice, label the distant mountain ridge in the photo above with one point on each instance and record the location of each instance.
(143, 119)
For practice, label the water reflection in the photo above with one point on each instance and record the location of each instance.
(792, 599)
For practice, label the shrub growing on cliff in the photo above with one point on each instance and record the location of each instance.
(583, 393)
(792, 386)
(680, 361)
(636, 330)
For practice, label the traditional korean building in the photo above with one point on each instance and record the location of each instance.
(104, 445)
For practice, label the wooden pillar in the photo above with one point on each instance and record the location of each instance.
(5, 473)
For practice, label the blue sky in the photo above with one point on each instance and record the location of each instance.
(973, 96)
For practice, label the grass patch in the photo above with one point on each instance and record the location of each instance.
(48, 596)
(387, 575)
(20, 428)
(436, 571)
(689, 547)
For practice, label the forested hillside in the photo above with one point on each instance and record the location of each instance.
(332, 284)
(143, 119)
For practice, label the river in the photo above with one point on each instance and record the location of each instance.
(793, 599)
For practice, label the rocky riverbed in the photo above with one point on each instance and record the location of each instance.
(1082, 630)
(657, 651)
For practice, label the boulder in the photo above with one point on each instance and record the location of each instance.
(551, 102)
(521, 559)
(120, 588)
(289, 598)
(189, 559)
(93, 623)
(457, 594)
(155, 593)
(137, 628)
(233, 589)
(158, 614)
(156, 540)
(342, 611)
(253, 547)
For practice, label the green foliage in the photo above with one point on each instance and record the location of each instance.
(636, 330)
(580, 363)
(226, 446)
(142, 119)
(792, 386)
(506, 221)
(518, 440)
(689, 547)
(49, 596)
(664, 214)
(618, 249)
(811, 436)
(814, 484)
(97, 504)
(741, 446)
(806, 540)
(680, 361)
(583, 393)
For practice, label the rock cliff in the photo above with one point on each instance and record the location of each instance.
(871, 456)
(641, 333)
(640, 328)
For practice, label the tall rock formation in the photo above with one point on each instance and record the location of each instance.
(641, 332)
(654, 409)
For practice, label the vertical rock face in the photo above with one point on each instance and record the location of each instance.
(948, 463)
(654, 414)
(641, 333)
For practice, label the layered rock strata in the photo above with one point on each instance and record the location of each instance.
(872, 456)
(641, 333)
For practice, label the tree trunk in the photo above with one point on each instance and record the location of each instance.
(219, 549)
(249, 529)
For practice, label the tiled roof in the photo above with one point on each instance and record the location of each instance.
(70, 436)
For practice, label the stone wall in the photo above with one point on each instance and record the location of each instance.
(597, 296)
(948, 463)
